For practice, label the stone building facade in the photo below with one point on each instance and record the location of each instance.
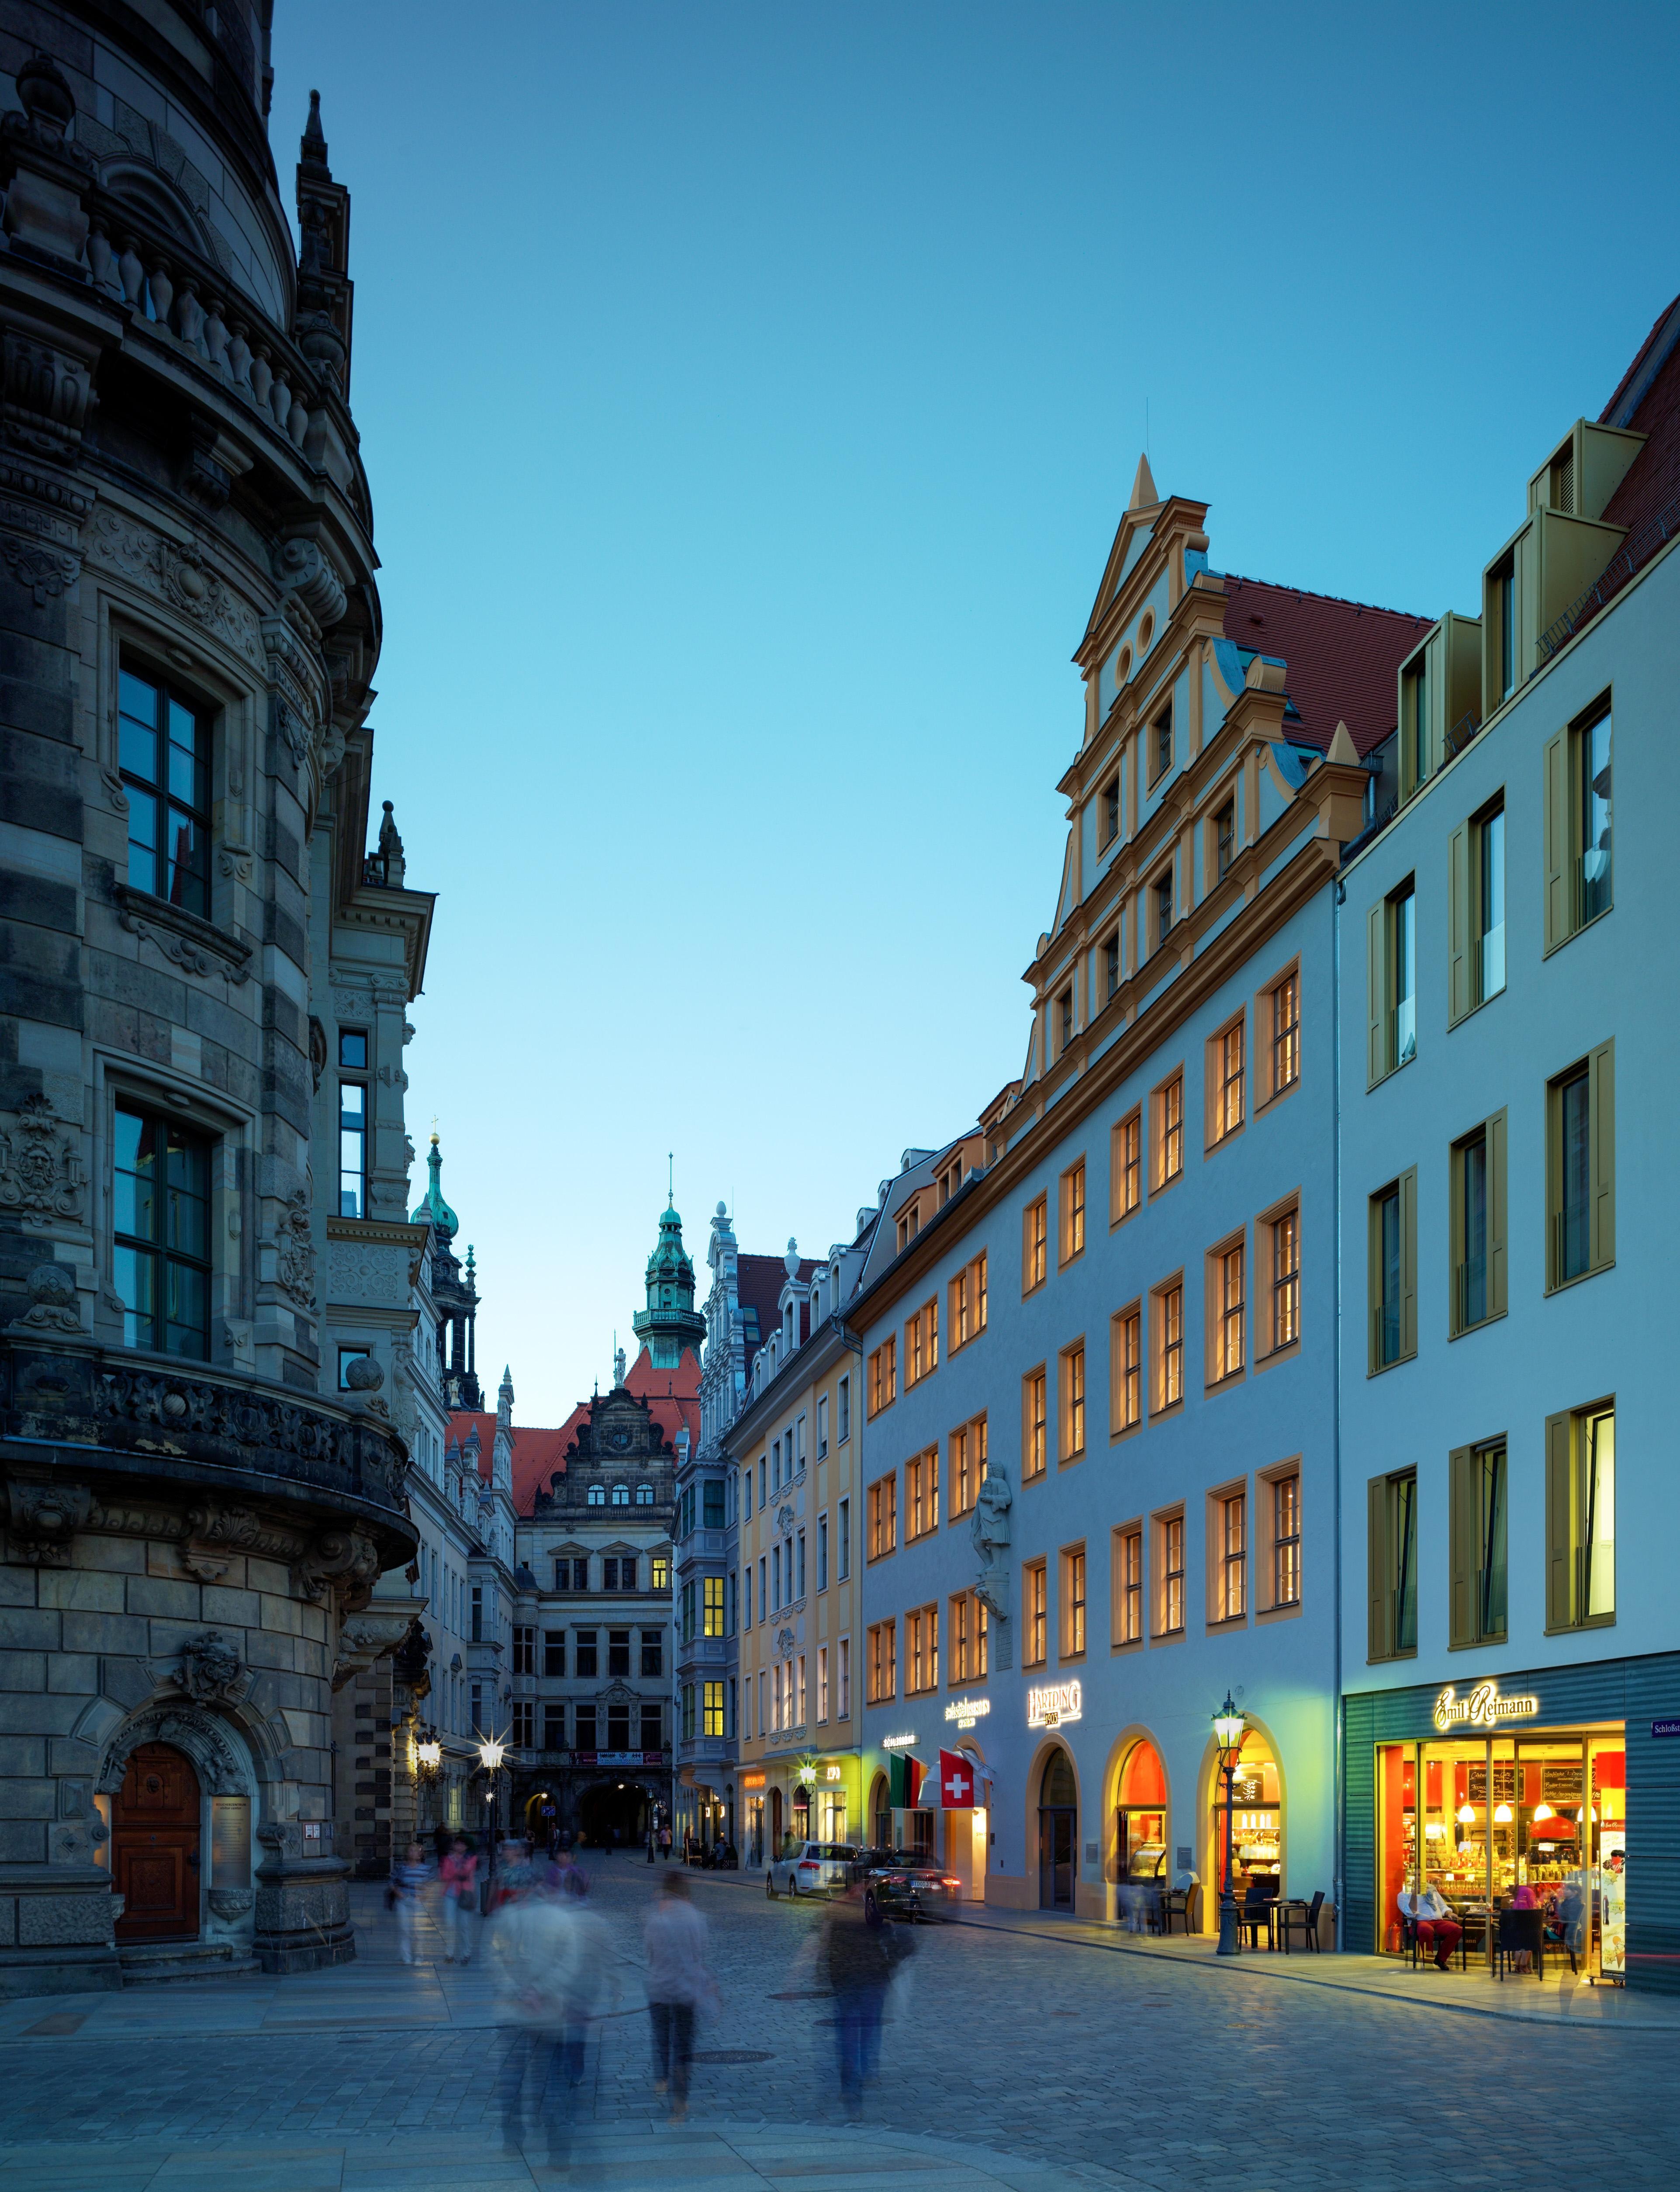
(207, 1264)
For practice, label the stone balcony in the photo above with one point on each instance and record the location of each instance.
(69, 1413)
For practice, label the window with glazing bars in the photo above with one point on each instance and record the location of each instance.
(1233, 1557)
(1286, 1541)
(1035, 1244)
(1072, 1364)
(1073, 1211)
(1034, 1453)
(1286, 1034)
(1285, 1230)
(163, 751)
(968, 1466)
(1073, 1603)
(1036, 1597)
(1126, 1340)
(160, 1251)
(1129, 1586)
(1169, 1324)
(1230, 1307)
(1172, 1575)
(1125, 1168)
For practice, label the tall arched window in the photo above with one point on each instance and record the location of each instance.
(644, 1495)
(620, 1495)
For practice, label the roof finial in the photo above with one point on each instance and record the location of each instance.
(1144, 494)
(313, 149)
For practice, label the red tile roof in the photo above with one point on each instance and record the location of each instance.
(1343, 657)
(540, 1456)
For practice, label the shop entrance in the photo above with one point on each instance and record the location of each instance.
(1537, 1820)
(613, 1815)
(1058, 1832)
(1256, 1805)
(1140, 1820)
(880, 1811)
(154, 1845)
(775, 1823)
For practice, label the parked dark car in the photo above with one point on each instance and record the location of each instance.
(900, 1884)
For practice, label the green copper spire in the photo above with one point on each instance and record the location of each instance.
(671, 1321)
(433, 1206)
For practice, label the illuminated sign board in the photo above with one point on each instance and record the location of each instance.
(897, 1741)
(752, 1780)
(1054, 1704)
(1483, 1707)
(965, 1711)
(832, 1773)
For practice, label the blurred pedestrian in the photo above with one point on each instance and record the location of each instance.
(862, 1953)
(679, 1986)
(407, 1881)
(551, 1959)
(458, 1883)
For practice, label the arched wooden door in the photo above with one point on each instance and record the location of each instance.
(154, 1837)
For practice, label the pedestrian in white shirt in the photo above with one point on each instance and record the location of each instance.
(679, 1986)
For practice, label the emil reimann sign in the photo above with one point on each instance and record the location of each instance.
(1482, 1707)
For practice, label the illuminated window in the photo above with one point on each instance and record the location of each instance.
(1035, 1606)
(1035, 1446)
(1035, 1245)
(1125, 1191)
(1072, 1380)
(1125, 1342)
(1072, 1204)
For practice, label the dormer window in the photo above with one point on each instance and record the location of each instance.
(909, 1224)
(1561, 478)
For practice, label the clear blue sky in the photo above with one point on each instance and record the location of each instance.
(750, 395)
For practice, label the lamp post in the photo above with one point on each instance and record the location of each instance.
(491, 1752)
(1228, 1728)
(428, 1763)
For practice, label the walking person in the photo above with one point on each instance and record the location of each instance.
(861, 1954)
(678, 1984)
(540, 1950)
(458, 1878)
(407, 1881)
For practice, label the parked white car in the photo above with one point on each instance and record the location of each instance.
(811, 1868)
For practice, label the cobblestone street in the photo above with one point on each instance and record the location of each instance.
(1010, 2058)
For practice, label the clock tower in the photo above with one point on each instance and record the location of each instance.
(671, 1323)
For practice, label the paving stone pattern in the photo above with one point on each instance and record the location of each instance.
(1009, 2058)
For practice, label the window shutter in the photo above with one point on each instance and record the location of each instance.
(1377, 1567)
(1601, 1099)
(1408, 1263)
(1560, 1593)
(1459, 996)
(1462, 1541)
(1376, 998)
(1496, 1198)
(1555, 788)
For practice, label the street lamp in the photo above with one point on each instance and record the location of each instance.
(491, 1752)
(428, 1763)
(1228, 1728)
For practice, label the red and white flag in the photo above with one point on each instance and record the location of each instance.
(956, 1782)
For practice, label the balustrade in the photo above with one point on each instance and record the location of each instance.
(163, 282)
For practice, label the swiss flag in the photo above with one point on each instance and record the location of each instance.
(956, 1782)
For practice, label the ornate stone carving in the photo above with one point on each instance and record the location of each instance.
(317, 1053)
(990, 1530)
(784, 1519)
(48, 572)
(40, 1168)
(211, 1669)
(228, 1904)
(42, 1520)
(785, 1640)
(295, 1249)
(215, 1533)
(47, 395)
(200, 1736)
(367, 1272)
(235, 863)
(113, 785)
(188, 943)
(293, 727)
(364, 1641)
(53, 1301)
(181, 575)
(343, 1558)
(308, 581)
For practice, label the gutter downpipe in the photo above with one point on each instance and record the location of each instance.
(1336, 1768)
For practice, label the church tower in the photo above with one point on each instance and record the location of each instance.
(455, 1291)
(671, 1321)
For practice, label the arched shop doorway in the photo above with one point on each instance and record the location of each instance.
(614, 1814)
(1141, 1820)
(155, 1836)
(1256, 1808)
(801, 1827)
(775, 1848)
(880, 1812)
(1058, 1832)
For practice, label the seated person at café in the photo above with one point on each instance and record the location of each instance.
(1431, 1916)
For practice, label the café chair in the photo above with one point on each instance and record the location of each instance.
(1256, 1911)
(1520, 1931)
(1302, 1916)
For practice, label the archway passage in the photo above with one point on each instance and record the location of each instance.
(614, 1815)
(1058, 1832)
(155, 1845)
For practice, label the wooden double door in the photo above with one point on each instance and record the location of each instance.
(155, 1852)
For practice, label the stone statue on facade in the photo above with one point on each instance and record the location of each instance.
(990, 1530)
